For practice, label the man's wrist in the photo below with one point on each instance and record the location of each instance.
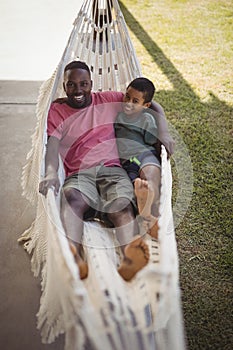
(51, 174)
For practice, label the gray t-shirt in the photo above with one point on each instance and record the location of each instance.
(135, 135)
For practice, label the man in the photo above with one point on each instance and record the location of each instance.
(81, 131)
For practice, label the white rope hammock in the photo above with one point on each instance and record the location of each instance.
(102, 311)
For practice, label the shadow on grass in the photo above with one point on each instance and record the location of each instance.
(204, 236)
(205, 127)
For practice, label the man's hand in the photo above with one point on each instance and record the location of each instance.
(49, 181)
(168, 142)
(163, 134)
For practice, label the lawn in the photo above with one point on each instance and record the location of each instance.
(186, 48)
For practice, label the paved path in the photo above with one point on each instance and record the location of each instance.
(33, 35)
(19, 290)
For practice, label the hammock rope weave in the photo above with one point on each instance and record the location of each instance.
(102, 311)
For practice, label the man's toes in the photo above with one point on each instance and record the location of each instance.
(73, 249)
(83, 270)
(145, 249)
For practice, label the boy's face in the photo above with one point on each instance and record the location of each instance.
(77, 85)
(134, 102)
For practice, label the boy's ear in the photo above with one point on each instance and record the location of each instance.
(147, 104)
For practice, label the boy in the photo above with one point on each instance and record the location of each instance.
(136, 133)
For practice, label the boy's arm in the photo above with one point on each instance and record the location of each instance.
(163, 134)
(51, 166)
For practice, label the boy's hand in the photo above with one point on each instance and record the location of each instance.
(49, 181)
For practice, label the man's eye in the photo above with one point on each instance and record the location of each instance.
(84, 83)
(70, 84)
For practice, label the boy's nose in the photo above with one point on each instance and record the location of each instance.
(129, 104)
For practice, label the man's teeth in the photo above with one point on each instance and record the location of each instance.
(78, 98)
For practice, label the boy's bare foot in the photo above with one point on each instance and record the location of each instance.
(150, 226)
(82, 265)
(145, 197)
(136, 256)
(153, 227)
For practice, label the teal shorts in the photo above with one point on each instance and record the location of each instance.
(102, 185)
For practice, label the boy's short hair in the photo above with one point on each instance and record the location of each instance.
(144, 85)
(77, 65)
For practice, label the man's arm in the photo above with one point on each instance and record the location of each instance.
(163, 134)
(51, 167)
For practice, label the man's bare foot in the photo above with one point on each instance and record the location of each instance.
(145, 197)
(136, 256)
(82, 265)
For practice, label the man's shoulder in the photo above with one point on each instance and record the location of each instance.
(57, 105)
(59, 111)
(107, 96)
(61, 107)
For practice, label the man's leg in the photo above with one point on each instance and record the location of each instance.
(135, 250)
(73, 206)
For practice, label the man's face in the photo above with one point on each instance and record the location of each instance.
(77, 85)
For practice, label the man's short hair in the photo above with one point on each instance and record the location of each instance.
(144, 85)
(77, 65)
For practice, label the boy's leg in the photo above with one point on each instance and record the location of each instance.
(147, 191)
(152, 174)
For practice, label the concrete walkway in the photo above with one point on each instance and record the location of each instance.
(33, 36)
(20, 291)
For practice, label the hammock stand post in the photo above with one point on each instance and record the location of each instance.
(102, 311)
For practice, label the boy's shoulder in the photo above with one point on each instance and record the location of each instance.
(148, 114)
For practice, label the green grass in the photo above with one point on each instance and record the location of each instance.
(186, 48)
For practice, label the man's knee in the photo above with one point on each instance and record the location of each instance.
(75, 199)
(119, 207)
(70, 195)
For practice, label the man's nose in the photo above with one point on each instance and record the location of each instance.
(78, 89)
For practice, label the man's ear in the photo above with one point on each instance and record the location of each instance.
(91, 84)
(64, 86)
